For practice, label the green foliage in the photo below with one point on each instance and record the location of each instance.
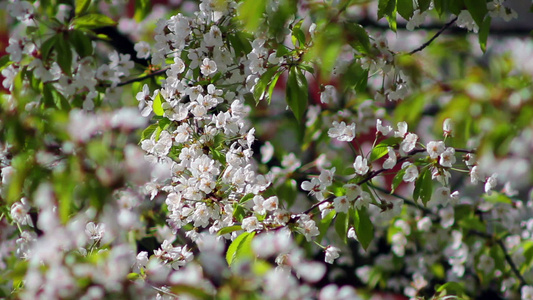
(92, 21)
(240, 248)
(297, 94)
(364, 228)
(342, 222)
(423, 186)
(81, 6)
(156, 105)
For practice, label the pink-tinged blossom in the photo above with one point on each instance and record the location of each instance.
(342, 132)
(22, 10)
(352, 191)
(341, 204)
(526, 292)
(447, 158)
(382, 129)
(402, 130)
(329, 95)
(251, 224)
(447, 216)
(271, 203)
(208, 67)
(308, 227)
(9, 73)
(411, 172)
(360, 165)
(491, 183)
(447, 128)
(142, 49)
(19, 211)
(332, 253)
(290, 162)
(122, 63)
(424, 224)
(465, 20)
(333, 292)
(267, 152)
(435, 148)
(95, 232)
(105, 73)
(390, 162)
(409, 142)
(417, 19)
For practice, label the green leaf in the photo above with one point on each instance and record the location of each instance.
(484, 33)
(238, 212)
(528, 255)
(240, 41)
(379, 151)
(439, 6)
(298, 36)
(4, 61)
(261, 85)
(240, 248)
(133, 276)
(81, 42)
(195, 292)
(246, 198)
(156, 106)
(423, 5)
(297, 94)
(48, 98)
(147, 133)
(92, 21)
(391, 18)
(478, 10)
(358, 37)
(47, 46)
(397, 180)
(272, 86)
(452, 287)
(473, 222)
(405, 8)
(142, 9)
(356, 77)
(64, 54)
(82, 6)
(364, 228)
(423, 187)
(324, 224)
(342, 221)
(251, 12)
(383, 7)
(229, 229)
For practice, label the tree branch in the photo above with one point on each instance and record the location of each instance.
(143, 77)
(434, 37)
(494, 31)
(511, 263)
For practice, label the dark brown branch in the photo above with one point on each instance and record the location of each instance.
(406, 201)
(317, 205)
(511, 263)
(434, 37)
(143, 77)
(494, 30)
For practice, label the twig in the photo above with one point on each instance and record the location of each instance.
(143, 77)
(317, 205)
(405, 200)
(511, 263)
(512, 31)
(434, 37)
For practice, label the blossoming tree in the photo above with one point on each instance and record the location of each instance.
(265, 150)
